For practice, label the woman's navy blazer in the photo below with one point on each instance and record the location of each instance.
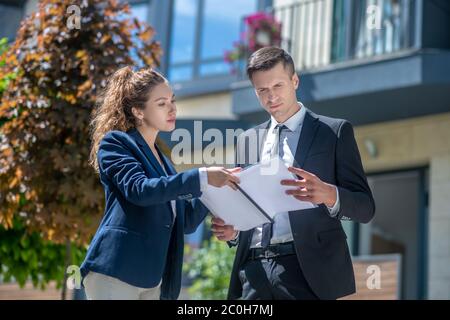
(138, 240)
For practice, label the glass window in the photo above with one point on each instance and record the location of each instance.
(214, 68)
(201, 32)
(183, 31)
(377, 27)
(181, 73)
(221, 24)
(10, 17)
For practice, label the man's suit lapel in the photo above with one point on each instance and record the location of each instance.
(309, 130)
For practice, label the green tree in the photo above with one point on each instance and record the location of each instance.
(51, 76)
(45, 140)
(27, 256)
(5, 77)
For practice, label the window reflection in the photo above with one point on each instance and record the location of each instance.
(201, 32)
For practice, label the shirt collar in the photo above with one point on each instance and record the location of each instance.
(294, 122)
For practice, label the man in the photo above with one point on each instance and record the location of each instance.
(303, 254)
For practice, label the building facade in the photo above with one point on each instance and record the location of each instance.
(384, 65)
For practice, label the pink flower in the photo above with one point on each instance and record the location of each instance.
(249, 42)
(255, 17)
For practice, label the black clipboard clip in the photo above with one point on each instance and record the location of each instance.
(253, 202)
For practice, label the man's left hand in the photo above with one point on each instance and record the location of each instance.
(310, 188)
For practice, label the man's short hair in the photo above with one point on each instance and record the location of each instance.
(266, 58)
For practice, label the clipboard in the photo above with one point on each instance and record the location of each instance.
(258, 198)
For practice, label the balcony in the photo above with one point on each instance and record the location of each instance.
(363, 60)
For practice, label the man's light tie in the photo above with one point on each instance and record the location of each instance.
(267, 228)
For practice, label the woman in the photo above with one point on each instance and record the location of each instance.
(137, 251)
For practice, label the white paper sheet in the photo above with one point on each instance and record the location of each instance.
(262, 183)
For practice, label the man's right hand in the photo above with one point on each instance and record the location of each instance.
(219, 177)
(223, 231)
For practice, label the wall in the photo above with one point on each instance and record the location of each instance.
(214, 106)
(423, 141)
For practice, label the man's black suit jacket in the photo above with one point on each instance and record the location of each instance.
(327, 148)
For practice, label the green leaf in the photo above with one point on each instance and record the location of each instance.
(25, 241)
(24, 254)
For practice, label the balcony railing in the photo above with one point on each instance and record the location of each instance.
(321, 32)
